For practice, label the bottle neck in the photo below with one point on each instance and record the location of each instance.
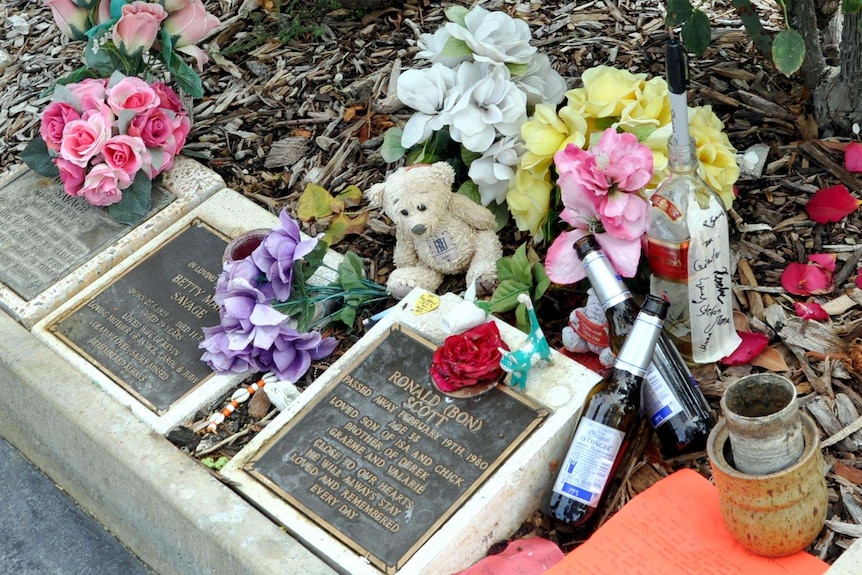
(609, 287)
(681, 158)
(637, 351)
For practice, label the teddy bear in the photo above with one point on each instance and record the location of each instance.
(437, 232)
(588, 330)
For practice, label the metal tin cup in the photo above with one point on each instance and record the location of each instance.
(763, 423)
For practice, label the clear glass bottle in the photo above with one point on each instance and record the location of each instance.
(688, 244)
(672, 401)
(610, 416)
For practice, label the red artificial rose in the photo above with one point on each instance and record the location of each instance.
(469, 358)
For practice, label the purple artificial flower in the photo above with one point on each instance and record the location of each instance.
(292, 353)
(220, 357)
(246, 270)
(277, 253)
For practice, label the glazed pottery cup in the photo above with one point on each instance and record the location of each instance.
(763, 423)
(773, 514)
(241, 246)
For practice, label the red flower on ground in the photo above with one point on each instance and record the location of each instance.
(831, 204)
(469, 358)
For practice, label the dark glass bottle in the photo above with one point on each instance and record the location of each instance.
(672, 401)
(604, 433)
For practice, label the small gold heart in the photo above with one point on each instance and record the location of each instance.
(426, 302)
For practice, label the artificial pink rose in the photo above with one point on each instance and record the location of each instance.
(154, 127)
(182, 126)
(168, 99)
(123, 154)
(138, 27)
(103, 14)
(132, 94)
(578, 172)
(101, 186)
(71, 175)
(188, 26)
(54, 120)
(624, 215)
(625, 163)
(83, 139)
(71, 19)
(470, 358)
(90, 92)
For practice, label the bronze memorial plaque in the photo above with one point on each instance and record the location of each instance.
(46, 233)
(143, 330)
(381, 459)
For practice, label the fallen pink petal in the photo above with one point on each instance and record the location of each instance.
(810, 310)
(752, 345)
(831, 204)
(806, 279)
(853, 157)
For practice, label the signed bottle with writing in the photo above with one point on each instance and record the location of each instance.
(672, 401)
(611, 415)
(689, 257)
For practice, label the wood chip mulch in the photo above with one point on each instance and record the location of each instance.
(278, 116)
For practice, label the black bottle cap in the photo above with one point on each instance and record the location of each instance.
(586, 244)
(655, 305)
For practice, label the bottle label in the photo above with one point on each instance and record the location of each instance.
(669, 261)
(668, 207)
(659, 402)
(592, 332)
(589, 462)
(713, 334)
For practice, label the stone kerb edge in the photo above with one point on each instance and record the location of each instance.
(494, 511)
(162, 505)
(229, 213)
(191, 183)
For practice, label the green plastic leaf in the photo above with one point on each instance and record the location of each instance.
(522, 320)
(468, 157)
(505, 297)
(391, 149)
(135, 203)
(643, 131)
(695, 32)
(100, 60)
(457, 14)
(521, 265)
(351, 272)
(35, 155)
(517, 69)
(788, 51)
(166, 47)
(502, 215)
(603, 124)
(678, 12)
(455, 48)
(470, 190)
(540, 281)
(74, 77)
(186, 78)
(851, 6)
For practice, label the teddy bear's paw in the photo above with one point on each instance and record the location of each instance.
(486, 283)
(399, 289)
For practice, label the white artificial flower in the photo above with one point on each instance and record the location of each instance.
(494, 36)
(495, 169)
(489, 104)
(542, 84)
(426, 90)
(441, 48)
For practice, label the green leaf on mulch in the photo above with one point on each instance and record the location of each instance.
(391, 149)
(695, 32)
(135, 203)
(788, 51)
(36, 156)
(678, 12)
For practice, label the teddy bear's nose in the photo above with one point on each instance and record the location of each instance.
(418, 229)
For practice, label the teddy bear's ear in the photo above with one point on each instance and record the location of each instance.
(445, 172)
(375, 195)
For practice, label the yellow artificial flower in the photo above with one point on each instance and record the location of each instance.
(716, 155)
(547, 132)
(649, 111)
(608, 91)
(529, 199)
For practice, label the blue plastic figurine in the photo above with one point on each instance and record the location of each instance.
(518, 362)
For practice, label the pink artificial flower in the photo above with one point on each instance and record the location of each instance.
(103, 14)
(578, 172)
(54, 120)
(71, 175)
(123, 153)
(71, 19)
(83, 139)
(853, 157)
(626, 164)
(182, 127)
(101, 186)
(168, 99)
(154, 127)
(624, 215)
(138, 27)
(132, 94)
(90, 92)
(188, 26)
(564, 267)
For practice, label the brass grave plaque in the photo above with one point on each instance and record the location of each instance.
(143, 330)
(381, 459)
(46, 233)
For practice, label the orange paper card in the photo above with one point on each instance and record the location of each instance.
(675, 528)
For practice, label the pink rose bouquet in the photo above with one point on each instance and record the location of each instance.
(129, 35)
(600, 190)
(107, 139)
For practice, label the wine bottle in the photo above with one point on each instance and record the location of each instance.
(688, 241)
(610, 416)
(672, 401)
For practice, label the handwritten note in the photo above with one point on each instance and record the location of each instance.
(675, 528)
